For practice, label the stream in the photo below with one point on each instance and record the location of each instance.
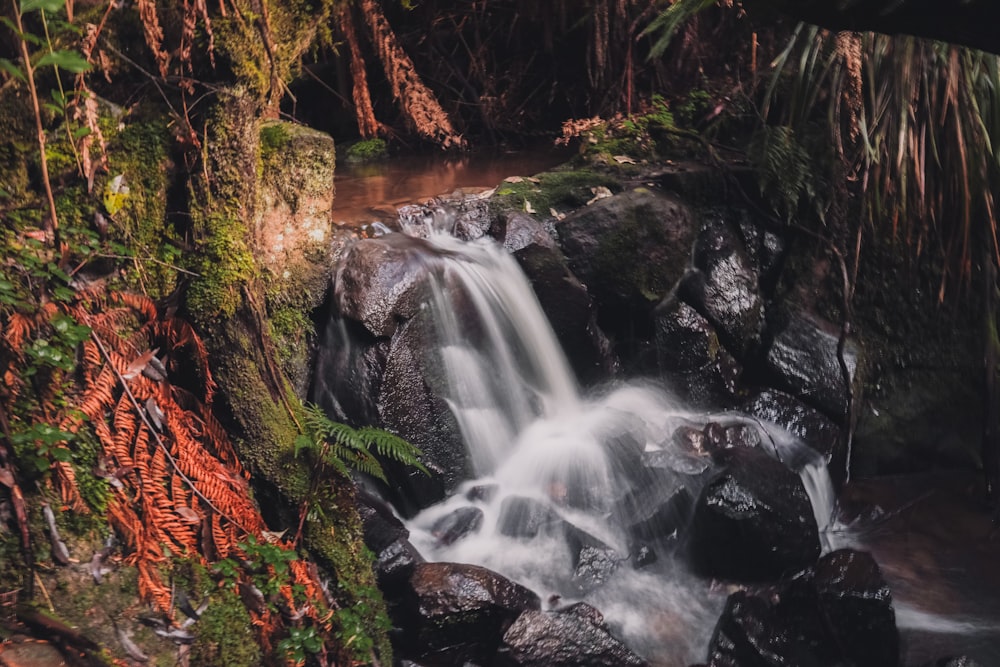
(558, 470)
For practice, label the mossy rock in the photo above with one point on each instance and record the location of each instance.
(369, 150)
(294, 236)
(563, 189)
(224, 636)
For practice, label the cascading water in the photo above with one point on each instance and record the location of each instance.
(559, 477)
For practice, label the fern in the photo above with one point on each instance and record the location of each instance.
(669, 20)
(343, 448)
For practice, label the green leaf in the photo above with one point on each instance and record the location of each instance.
(12, 69)
(50, 6)
(303, 442)
(81, 132)
(71, 61)
(61, 454)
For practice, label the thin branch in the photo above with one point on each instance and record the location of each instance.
(29, 72)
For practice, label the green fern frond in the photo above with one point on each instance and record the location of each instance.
(350, 448)
(669, 20)
(391, 446)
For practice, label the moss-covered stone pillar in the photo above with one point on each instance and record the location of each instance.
(239, 264)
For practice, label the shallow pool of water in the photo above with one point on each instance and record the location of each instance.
(372, 192)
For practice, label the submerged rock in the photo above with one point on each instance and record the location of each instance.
(453, 527)
(593, 561)
(753, 520)
(563, 639)
(525, 517)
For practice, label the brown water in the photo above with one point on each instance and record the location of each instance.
(370, 192)
(940, 553)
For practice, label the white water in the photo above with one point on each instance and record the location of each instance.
(531, 435)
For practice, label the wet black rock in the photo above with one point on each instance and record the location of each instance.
(803, 359)
(750, 634)
(563, 639)
(386, 536)
(804, 422)
(567, 305)
(724, 287)
(525, 517)
(380, 524)
(456, 525)
(838, 613)
(667, 521)
(632, 246)
(382, 281)
(856, 603)
(411, 406)
(394, 564)
(594, 562)
(516, 230)
(753, 520)
(690, 356)
(719, 437)
(629, 250)
(455, 612)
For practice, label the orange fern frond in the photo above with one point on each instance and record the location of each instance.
(65, 481)
(17, 331)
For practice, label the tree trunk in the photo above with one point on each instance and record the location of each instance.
(368, 125)
(417, 100)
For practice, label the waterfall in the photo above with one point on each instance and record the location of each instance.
(562, 477)
(504, 367)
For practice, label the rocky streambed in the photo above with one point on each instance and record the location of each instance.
(653, 274)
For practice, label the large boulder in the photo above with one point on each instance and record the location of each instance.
(803, 359)
(724, 286)
(691, 358)
(856, 603)
(294, 236)
(838, 613)
(753, 520)
(458, 612)
(376, 367)
(628, 250)
(569, 638)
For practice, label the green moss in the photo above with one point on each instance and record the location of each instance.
(224, 266)
(224, 636)
(368, 150)
(558, 189)
(273, 138)
(294, 28)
